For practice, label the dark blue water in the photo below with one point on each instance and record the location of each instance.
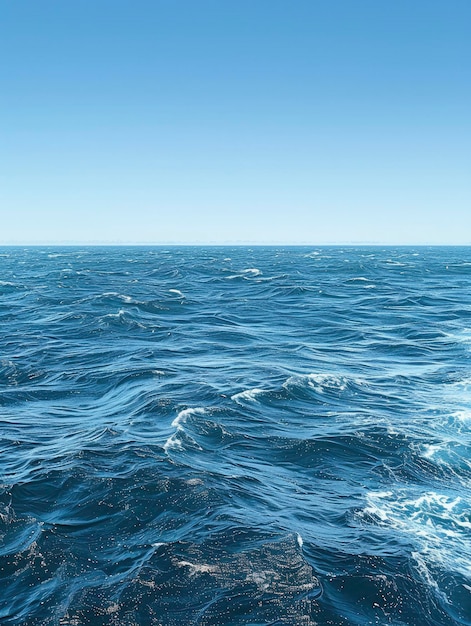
(212, 436)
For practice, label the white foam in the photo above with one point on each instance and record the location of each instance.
(253, 271)
(423, 570)
(360, 281)
(174, 442)
(462, 416)
(398, 263)
(326, 381)
(437, 523)
(182, 416)
(249, 395)
(177, 292)
(429, 450)
(320, 382)
(120, 296)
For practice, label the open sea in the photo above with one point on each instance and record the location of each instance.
(212, 436)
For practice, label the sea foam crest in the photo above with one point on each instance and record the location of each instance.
(174, 441)
(320, 382)
(249, 395)
(438, 524)
(252, 271)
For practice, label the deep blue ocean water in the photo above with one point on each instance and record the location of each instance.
(235, 436)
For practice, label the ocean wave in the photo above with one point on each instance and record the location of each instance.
(235, 436)
(323, 383)
(176, 440)
(249, 395)
(437, 524)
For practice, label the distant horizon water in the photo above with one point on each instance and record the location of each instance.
(203, 244)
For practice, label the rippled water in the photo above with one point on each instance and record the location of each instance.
(212, 436)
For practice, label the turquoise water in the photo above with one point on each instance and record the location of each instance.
(240, 436)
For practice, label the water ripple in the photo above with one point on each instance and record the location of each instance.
(207, 436)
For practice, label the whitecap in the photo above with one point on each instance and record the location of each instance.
(429, 450)
(119, 296)
(253, 271)
(361, 280)
(182, 416)
(462, 416)
(320, 382)
(177, 292)
(174, 442)
(437, 523)
(249, 395)
(397, 263)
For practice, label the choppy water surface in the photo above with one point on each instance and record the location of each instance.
(211, 436)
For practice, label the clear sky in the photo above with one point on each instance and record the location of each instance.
(220, 121)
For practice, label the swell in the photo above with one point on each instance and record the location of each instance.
(207, 436)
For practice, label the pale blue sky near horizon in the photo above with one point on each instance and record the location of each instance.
(257, 121)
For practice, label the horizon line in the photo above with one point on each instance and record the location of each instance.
(98, 243)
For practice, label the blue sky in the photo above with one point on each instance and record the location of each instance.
(221, 121)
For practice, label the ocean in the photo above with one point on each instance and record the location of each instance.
(235, 436)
